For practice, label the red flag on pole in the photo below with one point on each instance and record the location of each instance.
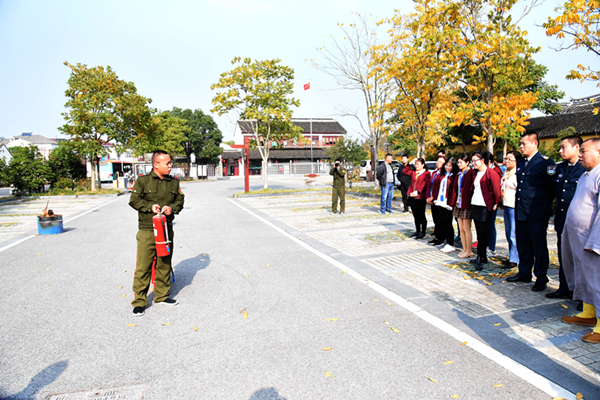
(307, 86)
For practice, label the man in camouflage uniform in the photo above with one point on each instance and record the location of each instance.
(154, 193)
(339, 187)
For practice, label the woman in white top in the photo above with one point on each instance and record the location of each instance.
(509, 192)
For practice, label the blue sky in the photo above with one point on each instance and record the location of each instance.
(174, 50)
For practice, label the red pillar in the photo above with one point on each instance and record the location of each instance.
(246, 165)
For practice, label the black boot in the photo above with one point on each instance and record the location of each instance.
(478, 265)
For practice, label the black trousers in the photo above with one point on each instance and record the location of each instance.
(481, 216)
(446, 226)
(436, 214)
(533, 249)
(404, 191)
(418, 208)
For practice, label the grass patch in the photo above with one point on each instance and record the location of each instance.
(7, 224)
(76, 192)
(275, 191)
(19, 215)
(371, 190)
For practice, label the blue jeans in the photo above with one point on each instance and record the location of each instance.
(387, 193)
(511, 233)
(491, 243)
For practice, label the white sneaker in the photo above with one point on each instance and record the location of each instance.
(447, 249)
(490, 253)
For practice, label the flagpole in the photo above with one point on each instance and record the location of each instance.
(311, 132)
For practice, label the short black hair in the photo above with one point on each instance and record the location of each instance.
(516, 154)
(158, 153)
(575, 140)
(388, 154)
(535, 135)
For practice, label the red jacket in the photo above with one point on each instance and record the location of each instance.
(420, 184)
(434, 184)
(490, 188)
(451, 191)
(467, 182)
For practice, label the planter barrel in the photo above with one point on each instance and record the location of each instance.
(50, 225)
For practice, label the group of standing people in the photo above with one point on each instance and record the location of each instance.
(472, 188)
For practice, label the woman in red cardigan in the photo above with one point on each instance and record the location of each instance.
(485, 197)
(462, 204)
(418, 189)
(444, 201)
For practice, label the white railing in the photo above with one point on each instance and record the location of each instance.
(298, 168)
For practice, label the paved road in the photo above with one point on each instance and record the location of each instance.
(65, 313)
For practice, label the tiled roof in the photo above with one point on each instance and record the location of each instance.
(33, 139)
(585, 123)
(580, 105)
(319, 125)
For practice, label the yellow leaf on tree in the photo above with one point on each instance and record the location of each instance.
(327, 348)
(328, 374)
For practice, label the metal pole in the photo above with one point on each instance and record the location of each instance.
(311, 134)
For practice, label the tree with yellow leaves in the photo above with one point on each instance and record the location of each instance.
(579, 20)
(415, 61)
(492, 57)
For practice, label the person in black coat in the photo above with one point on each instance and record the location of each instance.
(567, 175)
(404, 182)
(533, 208)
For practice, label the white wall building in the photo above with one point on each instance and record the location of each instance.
(5, 154)
(44, 145)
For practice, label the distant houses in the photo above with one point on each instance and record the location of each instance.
(44, 145)
(5, 153)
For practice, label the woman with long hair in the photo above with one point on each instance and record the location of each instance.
(445, 202)
(462, 204)
(509, 193)
(485, 197)
(419, 184)
(434, 188)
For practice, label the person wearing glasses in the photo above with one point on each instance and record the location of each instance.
(485, 197)
(509, 193)
(567, 176)
(417, 191)
(533, 208)
(154, 193)
(462, 204)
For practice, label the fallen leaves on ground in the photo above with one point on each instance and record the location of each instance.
(449, 362)
(466, 277)
(245, 314)
(327, 348)
(124, 295)
(498, 324)
(385, 322)
(195, 328)
(166, 324)
(463, 343)
(388, 303)
(394, 329)
(130, 324)
(579, 396)
(328, 374)
(454, 396)
(499, 385)
(375, 299)
(343, 272)
(563, 305)
(432, 380)
(331, 319)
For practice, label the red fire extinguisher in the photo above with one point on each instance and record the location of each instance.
(161, 235)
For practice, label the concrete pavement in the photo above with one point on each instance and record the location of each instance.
(67, 326)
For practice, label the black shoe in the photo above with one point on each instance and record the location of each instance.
(420, 236)
(560, 295)
(169, 302)
(538, 286)
(473, 260)
(479, 265)
(414, 235)
(518, 278)
(509, 265)
(432, 241)
(138, 311)
(438, 242)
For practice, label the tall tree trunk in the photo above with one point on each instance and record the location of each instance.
(490, 141)
(93, 173)
(98, 173)
(504, 148)
(265, 174)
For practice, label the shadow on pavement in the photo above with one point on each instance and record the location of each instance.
(44, 378)
(266, 394)
(186, 271)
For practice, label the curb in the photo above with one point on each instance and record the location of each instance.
(313, 192)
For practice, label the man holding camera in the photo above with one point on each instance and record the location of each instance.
(339, 187)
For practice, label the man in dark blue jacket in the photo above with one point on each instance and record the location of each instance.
(566, 178)
(533, 208)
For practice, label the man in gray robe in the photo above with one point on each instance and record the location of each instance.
(581, 242)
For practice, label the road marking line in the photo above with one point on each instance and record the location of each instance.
(511, 365)
(65, 221)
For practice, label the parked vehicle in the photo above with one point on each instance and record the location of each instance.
(111, 170)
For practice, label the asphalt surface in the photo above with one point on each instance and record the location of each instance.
(66, 312)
